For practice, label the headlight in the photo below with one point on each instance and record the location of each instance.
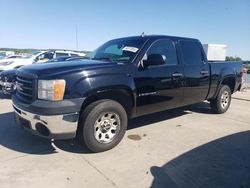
(51, 89)
(6, 63)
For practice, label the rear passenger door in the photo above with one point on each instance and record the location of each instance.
(196, 71)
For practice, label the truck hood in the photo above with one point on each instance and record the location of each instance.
(7, 59)
(62, 68)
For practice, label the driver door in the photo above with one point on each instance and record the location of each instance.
(160, 87)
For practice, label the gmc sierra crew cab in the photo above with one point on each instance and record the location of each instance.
(124, 78)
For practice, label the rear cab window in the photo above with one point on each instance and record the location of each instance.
(191, 52)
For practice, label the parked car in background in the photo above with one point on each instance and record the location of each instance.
(66, 58)
(10, 58)
(36, 57)
(4, 58)
(8, 77)
(14, 56)
(8, 81)
(4, 54)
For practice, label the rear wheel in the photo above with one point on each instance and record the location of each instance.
(221, 103)
(102, 125)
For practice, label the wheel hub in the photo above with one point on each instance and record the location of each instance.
(224, 99)
(106, 127)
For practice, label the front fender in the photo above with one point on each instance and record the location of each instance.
(118, 87)
(86, 86)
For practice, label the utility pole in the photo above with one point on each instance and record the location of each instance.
(76, 38)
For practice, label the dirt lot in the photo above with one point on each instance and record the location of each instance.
(188, 147)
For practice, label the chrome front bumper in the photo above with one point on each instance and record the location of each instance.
(54, 126)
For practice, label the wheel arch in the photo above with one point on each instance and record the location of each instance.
(123, 96)
(230, 82)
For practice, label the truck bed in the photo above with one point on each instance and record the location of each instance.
(220, 69)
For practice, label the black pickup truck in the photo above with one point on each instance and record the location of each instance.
(124, 78)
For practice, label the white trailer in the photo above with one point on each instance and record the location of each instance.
(215, 52)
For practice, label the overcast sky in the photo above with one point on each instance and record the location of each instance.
(52, 23)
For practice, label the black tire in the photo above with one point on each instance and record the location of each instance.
(89, 122)
(221, 103)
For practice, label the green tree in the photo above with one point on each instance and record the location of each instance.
(231, 58)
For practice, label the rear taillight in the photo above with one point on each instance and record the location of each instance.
(241, 73)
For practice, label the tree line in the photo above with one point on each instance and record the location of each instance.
(231, 58)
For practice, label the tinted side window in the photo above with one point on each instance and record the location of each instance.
(61, 54)
(191, 52)
(166, 48)
(48, 55)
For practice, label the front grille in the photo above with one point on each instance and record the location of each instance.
(25, 88)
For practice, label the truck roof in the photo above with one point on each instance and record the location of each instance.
(159, 37)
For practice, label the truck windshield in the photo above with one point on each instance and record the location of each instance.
(119, 50)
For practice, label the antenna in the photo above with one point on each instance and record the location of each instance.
(76, 38)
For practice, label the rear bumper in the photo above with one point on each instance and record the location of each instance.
(62, 126)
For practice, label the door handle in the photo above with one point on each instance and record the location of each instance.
(203, 72)
(177, 74)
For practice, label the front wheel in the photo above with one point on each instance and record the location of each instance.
(102, 125)
(221, 103)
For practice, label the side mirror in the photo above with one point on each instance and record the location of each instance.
(154, 59)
